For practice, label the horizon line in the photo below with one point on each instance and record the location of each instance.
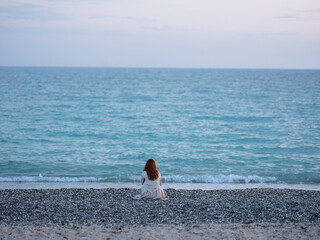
(137, 67)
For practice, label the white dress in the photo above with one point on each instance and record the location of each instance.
(151, 189)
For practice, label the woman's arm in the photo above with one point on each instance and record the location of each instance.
(142, 179)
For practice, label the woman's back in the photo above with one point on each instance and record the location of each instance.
(151, 184)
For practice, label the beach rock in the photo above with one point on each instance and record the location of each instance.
(114, 207)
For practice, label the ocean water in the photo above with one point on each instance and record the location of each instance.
(219, 126)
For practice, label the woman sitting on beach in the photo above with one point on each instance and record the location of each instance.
(151, 182)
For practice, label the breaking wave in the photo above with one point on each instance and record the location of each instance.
(169, 179)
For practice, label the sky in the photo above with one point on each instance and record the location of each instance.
(161, 33)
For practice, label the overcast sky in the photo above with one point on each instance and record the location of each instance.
(161, 33)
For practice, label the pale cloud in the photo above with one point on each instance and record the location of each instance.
(287, 17)
(144, 19)
(311, 10)
(301, 15)
(29, 12)
(210, 17)
(175, 31)
(271, 34)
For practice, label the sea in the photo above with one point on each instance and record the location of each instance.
(204, 127)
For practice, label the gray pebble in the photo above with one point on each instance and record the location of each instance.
(116, 207)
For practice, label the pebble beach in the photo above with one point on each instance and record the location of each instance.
(195, 214)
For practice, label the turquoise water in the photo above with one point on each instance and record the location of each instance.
(200, 125)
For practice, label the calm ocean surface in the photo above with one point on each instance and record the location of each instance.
(200, 125)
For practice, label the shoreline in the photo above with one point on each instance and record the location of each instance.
(135, 185)
(80, 213)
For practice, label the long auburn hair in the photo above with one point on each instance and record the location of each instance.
(151, 169)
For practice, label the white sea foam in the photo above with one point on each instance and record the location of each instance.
(168, 179)
(40, 178)
(219, 179)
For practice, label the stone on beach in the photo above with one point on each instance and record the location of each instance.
(116, 207)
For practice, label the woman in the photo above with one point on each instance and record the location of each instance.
(151, 182)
